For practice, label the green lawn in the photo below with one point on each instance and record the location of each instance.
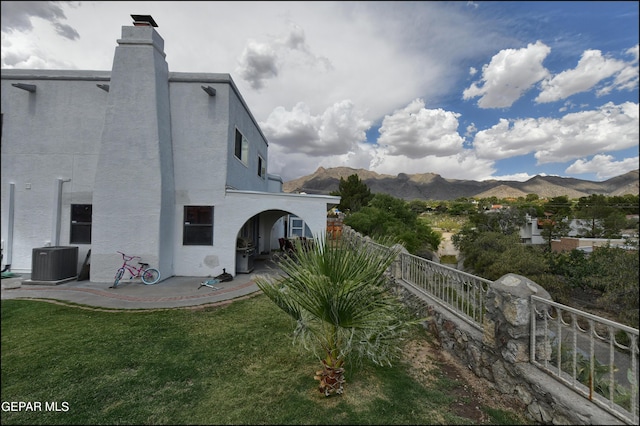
(227, 365)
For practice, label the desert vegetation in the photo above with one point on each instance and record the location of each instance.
(486, 233)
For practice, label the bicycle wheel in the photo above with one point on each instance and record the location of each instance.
(150, 276)
(119, 275)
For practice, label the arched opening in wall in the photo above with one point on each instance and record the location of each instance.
(266, 234)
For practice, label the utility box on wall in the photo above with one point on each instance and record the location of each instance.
(54, 263)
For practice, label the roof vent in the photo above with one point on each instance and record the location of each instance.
(143, 21)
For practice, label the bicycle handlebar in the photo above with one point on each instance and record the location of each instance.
(127, 258)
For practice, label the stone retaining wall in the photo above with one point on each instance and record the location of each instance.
(500, 352)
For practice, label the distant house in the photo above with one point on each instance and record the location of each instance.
(530, 234)
(585, 244)
(530, 231)
(172, 167)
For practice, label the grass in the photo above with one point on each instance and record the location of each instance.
(449, 259)
(227, 365)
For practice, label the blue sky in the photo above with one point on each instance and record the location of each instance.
(467, 90)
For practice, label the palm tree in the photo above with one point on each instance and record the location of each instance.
(338, 296)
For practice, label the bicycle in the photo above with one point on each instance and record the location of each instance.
(147, 275)
(224, 276)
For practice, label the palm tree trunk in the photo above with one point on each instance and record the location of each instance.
(331, 379)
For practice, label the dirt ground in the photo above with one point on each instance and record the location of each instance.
(429, 359)
(446, 247)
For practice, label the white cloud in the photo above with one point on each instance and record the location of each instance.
(608, 128)
(19, 15)
(28, 53)
(464, 165)
(627, 78)
(604, 166)
(291, 165)
(518, 177)
(259, 62)
(471, 130)
(592, 68)
(334, 132)
(415, 132)
(510, 74)
(317, 89)
(513, 138)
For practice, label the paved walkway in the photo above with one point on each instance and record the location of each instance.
(174, 292)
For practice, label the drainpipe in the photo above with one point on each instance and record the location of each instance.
(57, 211)
(9, 245)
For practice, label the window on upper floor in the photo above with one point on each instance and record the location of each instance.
(80, 224)
(262, 167)
(241, 147)
(198, 226)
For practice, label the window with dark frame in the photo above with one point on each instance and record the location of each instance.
(241, 150)
(80, 230)
(262, 170)
(238, 149)
(198, 226)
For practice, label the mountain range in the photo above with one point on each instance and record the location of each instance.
(431, 186)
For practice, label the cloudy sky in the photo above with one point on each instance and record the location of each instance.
(467, 90)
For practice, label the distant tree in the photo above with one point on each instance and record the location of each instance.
(526, 260)
(480, 250)
(370, 221)
(557, 218)
(460, 208)
(628, 203)
(418, 206)
(531, 209)
(397, 207)
(387, 216)
(506, 221)
(616, 275)
(610, 271)
(590, 212)
(559, 206)
(552, 227)
(354, 194)
(613, 224)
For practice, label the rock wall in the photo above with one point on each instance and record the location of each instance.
(500, 352)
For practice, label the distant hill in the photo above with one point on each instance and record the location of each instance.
(431, 186)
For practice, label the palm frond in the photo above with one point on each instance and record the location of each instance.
(337, 294)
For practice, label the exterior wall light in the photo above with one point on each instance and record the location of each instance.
(210, 90)
(28, 87)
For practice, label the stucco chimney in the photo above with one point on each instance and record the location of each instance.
(133, 194)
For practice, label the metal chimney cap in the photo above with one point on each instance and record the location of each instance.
(144, 20)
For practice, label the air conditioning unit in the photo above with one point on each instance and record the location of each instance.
(54, 263)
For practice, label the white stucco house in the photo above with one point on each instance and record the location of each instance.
(171, 167)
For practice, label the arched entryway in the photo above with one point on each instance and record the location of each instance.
(263, 234)
(252, 215)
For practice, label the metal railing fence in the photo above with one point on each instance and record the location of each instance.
(595, 357)
(461, 293)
